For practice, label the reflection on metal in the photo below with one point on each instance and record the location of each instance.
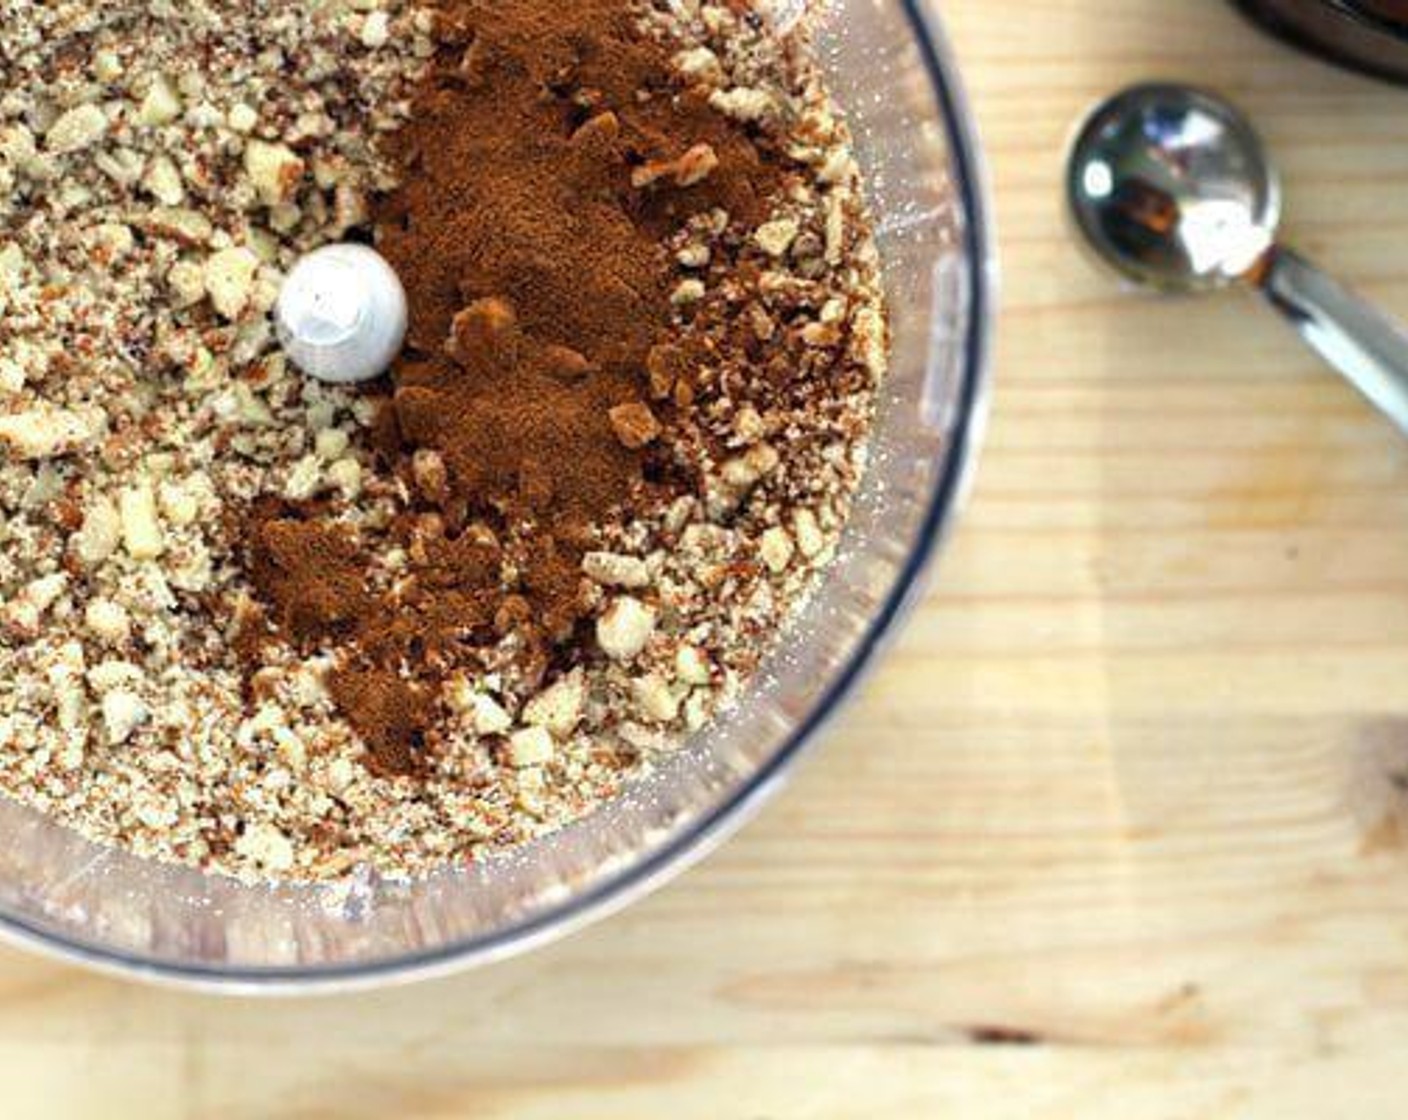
(1172, 187)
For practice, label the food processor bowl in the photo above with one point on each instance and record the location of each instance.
(891, 70)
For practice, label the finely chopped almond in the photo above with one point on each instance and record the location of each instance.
(159, 170)
(624, 628)
(44, 432)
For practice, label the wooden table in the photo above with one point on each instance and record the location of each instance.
(1118, 832)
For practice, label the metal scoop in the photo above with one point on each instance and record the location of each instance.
(1173, 187)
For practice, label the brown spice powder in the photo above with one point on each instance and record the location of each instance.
(551, 151)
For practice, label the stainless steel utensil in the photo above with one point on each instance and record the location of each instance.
(1172, 186)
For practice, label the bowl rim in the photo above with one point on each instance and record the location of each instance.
(1372, 30)
(705, 835)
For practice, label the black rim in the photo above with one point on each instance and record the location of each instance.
(1397, 28)
(1367, 24)
(599, 901)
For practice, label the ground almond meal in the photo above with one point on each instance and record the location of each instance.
(279, 629)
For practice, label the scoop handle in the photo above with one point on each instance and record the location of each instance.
(1364, 344)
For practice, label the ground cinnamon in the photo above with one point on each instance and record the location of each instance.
(550, 153)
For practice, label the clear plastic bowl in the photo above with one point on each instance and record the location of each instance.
(889, 66)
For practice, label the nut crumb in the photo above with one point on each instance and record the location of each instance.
(635, 425)
(158, 177)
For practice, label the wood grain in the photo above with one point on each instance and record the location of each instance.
(1119, 830)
